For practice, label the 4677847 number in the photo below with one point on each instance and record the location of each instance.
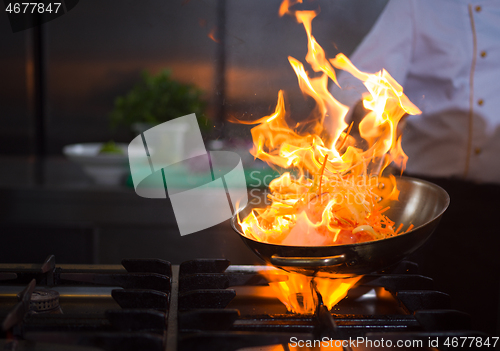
(471, 341)
(33, 7)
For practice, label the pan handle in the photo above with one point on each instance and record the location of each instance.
(307, 261)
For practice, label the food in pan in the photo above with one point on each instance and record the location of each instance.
(304, 212)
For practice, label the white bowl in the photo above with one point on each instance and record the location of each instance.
(105, 168)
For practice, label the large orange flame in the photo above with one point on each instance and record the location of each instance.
(299, 295)
(329, 192)
(330, 189)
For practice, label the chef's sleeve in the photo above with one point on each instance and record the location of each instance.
(388, 45)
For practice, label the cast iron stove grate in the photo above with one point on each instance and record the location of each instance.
(208, 304)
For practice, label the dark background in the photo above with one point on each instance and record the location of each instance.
(96, 52)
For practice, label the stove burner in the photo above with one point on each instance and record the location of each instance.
(211, 305)
(44, 301)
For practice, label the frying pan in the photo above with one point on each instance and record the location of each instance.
(421, 203)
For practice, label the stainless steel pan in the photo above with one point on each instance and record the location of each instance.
(420, 203)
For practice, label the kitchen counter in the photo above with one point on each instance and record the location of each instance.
(117, 222)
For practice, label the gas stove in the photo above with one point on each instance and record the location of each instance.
(208, 304)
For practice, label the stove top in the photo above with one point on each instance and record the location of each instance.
(208, 304)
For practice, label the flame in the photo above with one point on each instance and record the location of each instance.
(323, 346)
(331, 345)
(285, 6)
(212, 35)
(298, 293)
(331, 184)
(315, 54)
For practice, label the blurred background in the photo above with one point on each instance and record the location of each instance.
(58, 86)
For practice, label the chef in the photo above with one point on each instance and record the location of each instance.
(446, 55)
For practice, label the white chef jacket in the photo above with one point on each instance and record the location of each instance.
(446, 55)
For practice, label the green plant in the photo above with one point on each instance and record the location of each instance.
(159, 98)
(110, 148)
